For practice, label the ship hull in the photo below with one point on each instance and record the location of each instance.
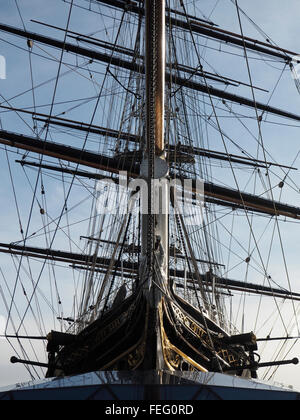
(135, 336)
(149, 386)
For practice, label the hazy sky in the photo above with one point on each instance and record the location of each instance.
(279, 20)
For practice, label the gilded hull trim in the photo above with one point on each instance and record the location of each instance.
(168, 348)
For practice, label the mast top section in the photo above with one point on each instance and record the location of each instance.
(155, 74)
(210, 30)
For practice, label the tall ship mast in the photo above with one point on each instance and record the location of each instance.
(152, 236)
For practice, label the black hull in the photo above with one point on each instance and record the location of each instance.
(137, 336)
(106, 343)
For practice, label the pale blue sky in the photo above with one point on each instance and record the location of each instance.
(279, 20)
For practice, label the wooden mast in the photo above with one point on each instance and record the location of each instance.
(154, 166)
(154, 270)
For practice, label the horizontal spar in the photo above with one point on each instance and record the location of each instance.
(133, 7)
(131, 53)
(71, 154)
(126, 266)
(211, 154)
(76, 125)
(250, 201)
(90, 175)
(140, 68)
(208, 30)
(212, 191)
(61, 256)
(64, 170)
(134, 138)
(218, 93)
(128, 249)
